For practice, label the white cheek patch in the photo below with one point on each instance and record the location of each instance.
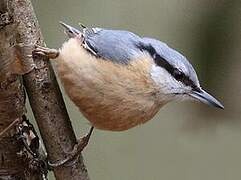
(158, 74)
(167, 84)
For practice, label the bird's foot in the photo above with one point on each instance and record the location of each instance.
(73, 156)
(47, 52)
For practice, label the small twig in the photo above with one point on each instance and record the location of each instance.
(16, 121)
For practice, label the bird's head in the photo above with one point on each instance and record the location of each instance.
(174, 75)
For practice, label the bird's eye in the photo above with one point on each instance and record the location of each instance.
(178, 75)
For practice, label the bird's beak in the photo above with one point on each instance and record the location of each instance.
(206, 98)
(70, 31)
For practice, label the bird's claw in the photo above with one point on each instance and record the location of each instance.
(44, 51)
(75, 153)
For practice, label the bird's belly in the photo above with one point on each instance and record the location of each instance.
(111, 96)
(109, 109)
(113, 114)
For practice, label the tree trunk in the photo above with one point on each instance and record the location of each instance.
(41, 86)
(13, 165)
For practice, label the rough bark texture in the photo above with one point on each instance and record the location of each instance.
(12, 101)
(19, 32)
(46, 99)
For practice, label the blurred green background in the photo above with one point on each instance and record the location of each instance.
(185, 141)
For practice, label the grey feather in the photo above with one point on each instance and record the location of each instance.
(173, 57)
(114, 45)
(123, 46)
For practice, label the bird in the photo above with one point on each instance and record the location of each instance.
(119, 80)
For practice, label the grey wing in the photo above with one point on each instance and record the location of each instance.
(115, 45)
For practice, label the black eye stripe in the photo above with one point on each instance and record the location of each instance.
(157, 58)
(160, 61)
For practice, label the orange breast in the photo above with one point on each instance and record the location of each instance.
(111, 96)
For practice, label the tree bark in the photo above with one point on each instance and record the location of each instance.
(13, 165)
(46, 99)
(43, 91)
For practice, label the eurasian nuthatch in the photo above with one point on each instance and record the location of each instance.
(119, 80)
